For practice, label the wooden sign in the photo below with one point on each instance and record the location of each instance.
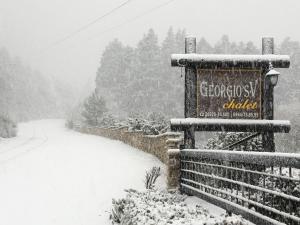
(229, 93)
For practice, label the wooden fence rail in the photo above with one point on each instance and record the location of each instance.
(227, 125)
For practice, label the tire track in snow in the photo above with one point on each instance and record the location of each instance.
(21, 151)
(21, 144)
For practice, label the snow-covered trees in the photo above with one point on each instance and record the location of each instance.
(288, 85)
(140, 79)
(26, 94)
(287, 96)
(94, 109)
(116, 59)
(146, 88)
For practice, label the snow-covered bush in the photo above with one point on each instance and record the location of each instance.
(153, 124)
(151, 177)
(153, 207)
(135, 124)
(69, 123)
(224, 139)
(8, 128)
(117, 210)
(74, 117)
(94, 113)
(108, 120)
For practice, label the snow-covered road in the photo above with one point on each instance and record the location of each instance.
(51, 175)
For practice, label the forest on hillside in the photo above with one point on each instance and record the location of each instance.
(25, 94)
(140, 80)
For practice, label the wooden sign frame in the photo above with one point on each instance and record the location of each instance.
(192, 61)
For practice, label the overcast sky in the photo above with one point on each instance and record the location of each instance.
(28, 28)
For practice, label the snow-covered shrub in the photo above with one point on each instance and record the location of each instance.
(8, 128)
(108, 120)
(224, 139)
(117, 210)
(153, 124)
(151, 177)
(157, 124)
(69, 123)
(74, 117)
(135, 124)
(94, 113)
(153, 207)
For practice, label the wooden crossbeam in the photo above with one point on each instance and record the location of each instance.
(211, 61)
(231, 125)
(267, 159)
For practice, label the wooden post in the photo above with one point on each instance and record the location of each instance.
(190, 94)
(268, 108)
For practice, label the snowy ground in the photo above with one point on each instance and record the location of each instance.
(51, 175)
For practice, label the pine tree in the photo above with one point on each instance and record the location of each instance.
(94, 109)
(251, 48)
(180, 39)
(115, 61)
(223, 46)
(168, 47)
(288, 84)
(148, 54)
(203, 47)
(143, 91)
(171, 77)
(114, 73)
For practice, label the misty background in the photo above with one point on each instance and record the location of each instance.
(47, 68)
(29, 29)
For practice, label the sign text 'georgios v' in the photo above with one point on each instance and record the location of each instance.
(229, 94)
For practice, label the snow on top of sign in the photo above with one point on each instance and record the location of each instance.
(225, 57)
(195, 121)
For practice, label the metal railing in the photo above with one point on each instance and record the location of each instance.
(263, 187)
